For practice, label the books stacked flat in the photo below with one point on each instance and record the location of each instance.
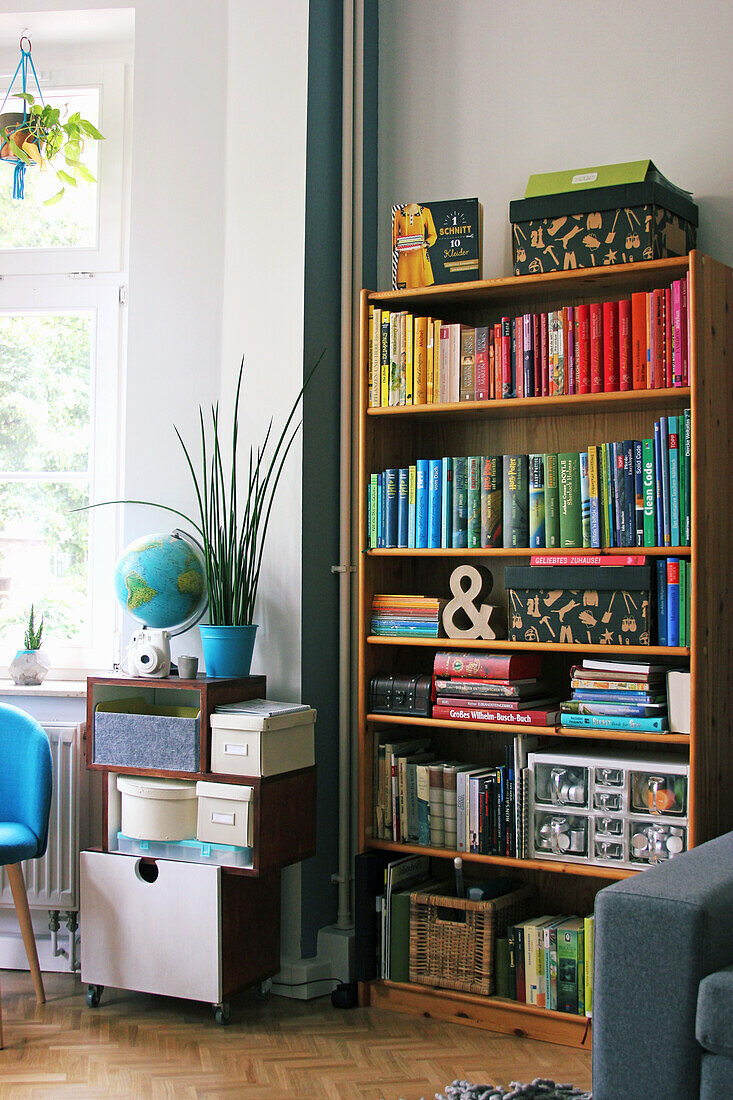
(617, 695)
(407, 616)
(492, 687)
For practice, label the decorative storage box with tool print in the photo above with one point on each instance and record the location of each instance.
(616, 214)
(585, 604)
(609, 809)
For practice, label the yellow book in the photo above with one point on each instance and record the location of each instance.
(409, 364)
(420, 388)
(429, 351)
(375, 360)
(384, 361)
(589, 929)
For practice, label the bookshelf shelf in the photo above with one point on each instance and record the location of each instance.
(398, 436)
(542, 406)
(544, 647)
(539, 731)
(608, 874)
(525, 551)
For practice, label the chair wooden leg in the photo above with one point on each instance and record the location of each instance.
(2, 1043)
(17, 885)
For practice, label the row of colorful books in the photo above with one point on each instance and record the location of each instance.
(551, 963)
(638, 343)
(409, 616)
(631, 493)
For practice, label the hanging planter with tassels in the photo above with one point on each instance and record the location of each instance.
(37, 135)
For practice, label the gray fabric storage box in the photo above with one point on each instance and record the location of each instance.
(132, 733)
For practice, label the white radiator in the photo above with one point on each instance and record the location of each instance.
(52, 882)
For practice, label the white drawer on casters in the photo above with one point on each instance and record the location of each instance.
(151, 926)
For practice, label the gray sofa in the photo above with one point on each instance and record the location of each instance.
(663, 981)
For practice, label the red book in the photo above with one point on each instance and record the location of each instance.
(481, 365)
(668, 336)
(506, 357)
(625, 362)
(505, 705)
(596, 348)
(582, 347)
(496, 391)
(587, 559)
(513, 717)
(565, 351)
(544, 356)
(658, 322)
(505, 666)
(519, 356)
(610, 347)
(685, 343)
(537, 353)
(572, 362)
(638, 339)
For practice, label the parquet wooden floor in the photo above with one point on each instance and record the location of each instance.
(141, 1047)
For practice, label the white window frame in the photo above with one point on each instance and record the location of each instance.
(92, 280)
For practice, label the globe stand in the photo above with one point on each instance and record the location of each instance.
(149, 653)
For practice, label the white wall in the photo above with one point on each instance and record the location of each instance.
(476, 95)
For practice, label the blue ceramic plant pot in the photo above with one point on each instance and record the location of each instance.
(228, 649)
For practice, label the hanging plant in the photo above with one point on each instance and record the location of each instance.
(39, 135)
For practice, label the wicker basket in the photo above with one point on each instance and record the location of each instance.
(452, 939)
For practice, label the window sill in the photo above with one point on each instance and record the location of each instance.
(68, 689)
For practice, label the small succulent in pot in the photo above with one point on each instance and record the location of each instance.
(31, 665)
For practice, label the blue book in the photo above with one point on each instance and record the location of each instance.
(459, 532)
(391, 508)
(658, 483)
(687, 459)
(380, 510)
(618, 696)
(607, 722)
(664, 459)
(673, 601)
(399, 627)
(673, 437)
(585, 499)
(639, 490)
(623, 710)
(661, 601)
(630, 494)
(403, 515)
(421, 504)
(446, 505)
(435, 478)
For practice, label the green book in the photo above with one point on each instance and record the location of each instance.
(683, 604)
(552, 503)
(501, 967)
(515, 500)
(688, 575)
(373, 518)
(459, 529)
(570, 978)
(650, 500)
(475, 463)
(603, 492)
(571, 516)
(399, 937)
(492, 480)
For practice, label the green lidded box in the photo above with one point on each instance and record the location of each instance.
(595, 217)
(579, 604)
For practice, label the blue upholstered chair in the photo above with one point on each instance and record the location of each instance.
(25, 800)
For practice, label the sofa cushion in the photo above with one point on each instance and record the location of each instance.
(716, 1080)
(714, 1022)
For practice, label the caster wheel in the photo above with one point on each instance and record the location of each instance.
(263, 989)
(223, 1014)
(94, 995)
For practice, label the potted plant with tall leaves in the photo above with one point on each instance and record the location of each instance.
(232, 527)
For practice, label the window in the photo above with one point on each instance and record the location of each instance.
(61, 336)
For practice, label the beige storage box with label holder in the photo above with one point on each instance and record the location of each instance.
(224, 814)
(157, 809)
(245, 743)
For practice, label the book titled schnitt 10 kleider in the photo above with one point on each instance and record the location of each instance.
(435, 243)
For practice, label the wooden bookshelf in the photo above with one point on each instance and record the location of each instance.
(396, 437)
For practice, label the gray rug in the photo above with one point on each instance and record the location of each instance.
(539, 1089)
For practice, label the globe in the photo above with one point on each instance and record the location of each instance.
(161, 581)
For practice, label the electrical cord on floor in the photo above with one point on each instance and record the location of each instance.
(343, 996)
